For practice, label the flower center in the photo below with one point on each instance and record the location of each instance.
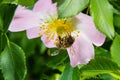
(61, 27)
(60, 31)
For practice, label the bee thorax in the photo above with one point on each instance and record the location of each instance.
(64, 42)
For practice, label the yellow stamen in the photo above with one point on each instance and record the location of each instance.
(60, 27)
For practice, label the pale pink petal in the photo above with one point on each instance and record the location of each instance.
(86, 25)
(41, 5)
(52, 11)
(24, 19)
(33, 32)
(49, 43)
(81, 52)
(46, 6)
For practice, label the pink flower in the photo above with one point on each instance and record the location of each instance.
(76, 34)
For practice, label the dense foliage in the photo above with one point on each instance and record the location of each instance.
(28, 59)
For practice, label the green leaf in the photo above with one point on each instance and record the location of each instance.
(115, 50)
(107, 77)
(102, 13)
(68, 8)
(115, 3)
(102, 52)
(24, 42)
(3, 41)
(19, 2)
(7, 1)
(117, 20)
(70, 73)
(1, 24)
(13, 63)
(100, 65)
(6, 14)
(54, 61)
(0, 41)
(26, 2)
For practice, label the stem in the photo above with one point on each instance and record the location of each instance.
(88, 9)
(7, 38)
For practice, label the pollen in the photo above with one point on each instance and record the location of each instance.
(61, 27)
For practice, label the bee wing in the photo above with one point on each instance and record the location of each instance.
(56, 52)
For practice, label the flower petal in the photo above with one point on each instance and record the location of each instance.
(41, 5)
(46, 6)
(86, 25)
(24, 19)
(33, 32)
(49, 43)
(82, 51)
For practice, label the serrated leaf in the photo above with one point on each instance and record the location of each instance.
(13, 63)
(100, 65)
(102, 13)
(115, 50)
(68, 8)
(6, 18)
(70, 73)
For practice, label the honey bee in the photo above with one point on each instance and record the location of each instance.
(63, 43)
